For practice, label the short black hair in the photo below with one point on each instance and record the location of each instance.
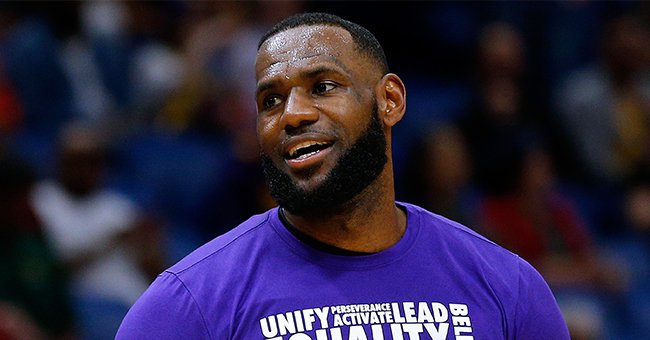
(365, 41)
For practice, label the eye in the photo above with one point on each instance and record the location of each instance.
(324, 87)
(271, 101)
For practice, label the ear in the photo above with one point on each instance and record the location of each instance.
(391, 99)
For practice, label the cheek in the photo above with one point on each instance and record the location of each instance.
(357, 120)
(267, 132)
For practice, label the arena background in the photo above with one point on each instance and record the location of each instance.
(527, 121)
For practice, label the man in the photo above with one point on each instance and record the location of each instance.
(95, 232)
(339, 258)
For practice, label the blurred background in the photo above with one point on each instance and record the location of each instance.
(127, 139)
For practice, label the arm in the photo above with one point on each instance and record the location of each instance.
(167, 310)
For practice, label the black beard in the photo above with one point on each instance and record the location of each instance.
(357, 168)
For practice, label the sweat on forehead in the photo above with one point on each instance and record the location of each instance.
(308, 41)
(364, 41)
(308, 51)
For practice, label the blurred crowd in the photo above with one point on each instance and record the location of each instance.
(127, 139)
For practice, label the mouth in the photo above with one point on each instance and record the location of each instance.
(306, 154)
(306, 150)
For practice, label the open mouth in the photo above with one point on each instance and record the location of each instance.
(306, 149)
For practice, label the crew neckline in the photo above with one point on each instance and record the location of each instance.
(314, 243)
(350, 262)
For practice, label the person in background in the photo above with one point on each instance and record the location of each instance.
(633, 245)
(34, 296)
(606, 105)
(503, 104)
(97, 233)
(526, 213)
(439, 175)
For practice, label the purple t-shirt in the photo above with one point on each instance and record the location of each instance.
(258, 281)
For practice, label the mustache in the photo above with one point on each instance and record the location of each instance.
(309, 128)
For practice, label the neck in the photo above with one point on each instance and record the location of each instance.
(370, 223)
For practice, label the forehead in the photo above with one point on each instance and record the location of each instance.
(299, 46)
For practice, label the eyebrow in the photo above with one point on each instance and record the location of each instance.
(310, 74)
(315, 72)
(324, 68)
(265, 85)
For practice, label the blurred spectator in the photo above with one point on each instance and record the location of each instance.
(606, 106)
(155, 67)
(97, 233)
(439, 175)
(29, 52)
(120, 60)
(91, 97)
(531, 217)
(37, 91)
(233, 197)
(571, 38)
(219, 45)
(632, 244)
(34, 297)
(502, 106)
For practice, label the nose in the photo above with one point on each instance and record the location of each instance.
(298, 110)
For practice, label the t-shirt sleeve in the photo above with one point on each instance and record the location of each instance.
(166, 310)
(538, 315)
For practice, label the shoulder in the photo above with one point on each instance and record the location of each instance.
(157, 314)
(523, 294)
(229, 246)
(208, 281)
(458, 237)
(467, 253)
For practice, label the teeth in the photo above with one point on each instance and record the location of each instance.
(298, 147)
(307, 155)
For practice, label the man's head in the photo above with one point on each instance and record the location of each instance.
(325, 108)
(81, 153)
(364, 41)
